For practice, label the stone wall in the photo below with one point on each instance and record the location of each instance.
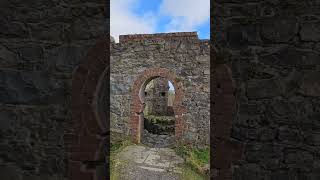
(275, 62)
(182, 53)
(41, 43)
(274, 47)
(156, 97)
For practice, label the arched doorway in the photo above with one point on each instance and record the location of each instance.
(158, 114)
(86, 140)
(138, 102)
(223, 111)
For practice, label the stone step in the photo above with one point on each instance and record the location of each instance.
(152, 168)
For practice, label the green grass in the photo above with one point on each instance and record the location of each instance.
(163, 120)
(115, 164)
(189, 174)
(117, 147)
(195, 160)
(202, 156)
(192, 169)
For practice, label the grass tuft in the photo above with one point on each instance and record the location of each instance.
(189, 174)
(115, 164)
(195, 160)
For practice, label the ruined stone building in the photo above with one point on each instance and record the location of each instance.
(180, 58)
(264, 69)
(156, 97)
(271, 52)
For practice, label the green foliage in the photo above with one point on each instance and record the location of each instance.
(163, 120)
(116, 168)
(114, 147)
(115, 164)
(182, 150)
(189, 174)
(195, 158)
(202, 156)
(118, 146)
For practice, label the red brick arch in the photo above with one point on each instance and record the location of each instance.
(137, 106)
(85, 142)
(223, 150)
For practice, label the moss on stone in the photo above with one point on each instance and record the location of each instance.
(189, 174)
(163, 120)
(159, 124)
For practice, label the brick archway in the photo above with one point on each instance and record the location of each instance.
(85, 142)
(137, 104)
(225, 149)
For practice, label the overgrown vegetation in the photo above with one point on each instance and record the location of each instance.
(196, 161)
(189, 174)
(115, 164)
(195, 166)
(118, 146)
(159, 119)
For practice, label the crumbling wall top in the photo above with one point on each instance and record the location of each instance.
(158, 36)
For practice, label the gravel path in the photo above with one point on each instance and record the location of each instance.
(145, 163)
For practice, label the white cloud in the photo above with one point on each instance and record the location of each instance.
(186, 14)
(124, 21)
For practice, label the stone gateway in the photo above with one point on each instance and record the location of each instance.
(179, 57)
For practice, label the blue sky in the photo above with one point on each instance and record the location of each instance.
(171, 87)
(157, 16)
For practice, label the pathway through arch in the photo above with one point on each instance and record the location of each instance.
(138, 102)
(156, 163)
(146, 163)
(158, 114)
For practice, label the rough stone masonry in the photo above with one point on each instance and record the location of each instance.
(156, 97)
(181, 53)
(41, 45)
(275, 47)
(275, 64)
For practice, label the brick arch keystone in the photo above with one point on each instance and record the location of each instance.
(137, 104)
